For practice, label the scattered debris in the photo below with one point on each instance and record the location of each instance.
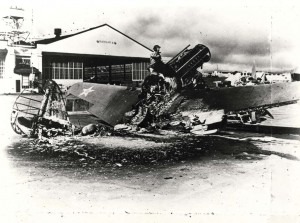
(79, 151)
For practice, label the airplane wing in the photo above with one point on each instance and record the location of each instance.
(243, 97)
(109, 102)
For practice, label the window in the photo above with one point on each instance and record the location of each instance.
(99, 74)
(65, 70)
(75, 105)
(139, 71)
(2, 66)
(117, 74)
(103, 74)
(25, 81)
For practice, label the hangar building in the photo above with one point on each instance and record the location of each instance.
(100, 54)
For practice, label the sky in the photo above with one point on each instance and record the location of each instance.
(238, 33)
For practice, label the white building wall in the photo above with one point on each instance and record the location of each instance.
(100, 41)
(36, 59)
(8, 83)
(11, 77)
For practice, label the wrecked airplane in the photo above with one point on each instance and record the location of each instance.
(180, 99)
(176, 99)
(155, 104)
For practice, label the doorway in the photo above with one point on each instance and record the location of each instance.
(18, 85)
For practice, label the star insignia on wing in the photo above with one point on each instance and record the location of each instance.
(86, 91)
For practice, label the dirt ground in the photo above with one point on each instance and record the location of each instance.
(228, 177)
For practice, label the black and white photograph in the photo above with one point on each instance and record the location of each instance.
(150, 111)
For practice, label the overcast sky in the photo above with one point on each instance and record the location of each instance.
(237, 32)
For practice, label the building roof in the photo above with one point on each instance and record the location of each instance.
(55, 39)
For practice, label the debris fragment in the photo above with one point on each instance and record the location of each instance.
(89, 129)
(120, 127)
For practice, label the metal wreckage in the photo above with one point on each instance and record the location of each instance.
(35, 117)
(177, 99)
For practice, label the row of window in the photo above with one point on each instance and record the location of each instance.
(138, 71)
(68, 70)
(74, 70)
(66, 65)
(103, 71)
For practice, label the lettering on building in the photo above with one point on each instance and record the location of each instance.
(106, 42)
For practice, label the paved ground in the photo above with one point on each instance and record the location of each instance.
(242, 178)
